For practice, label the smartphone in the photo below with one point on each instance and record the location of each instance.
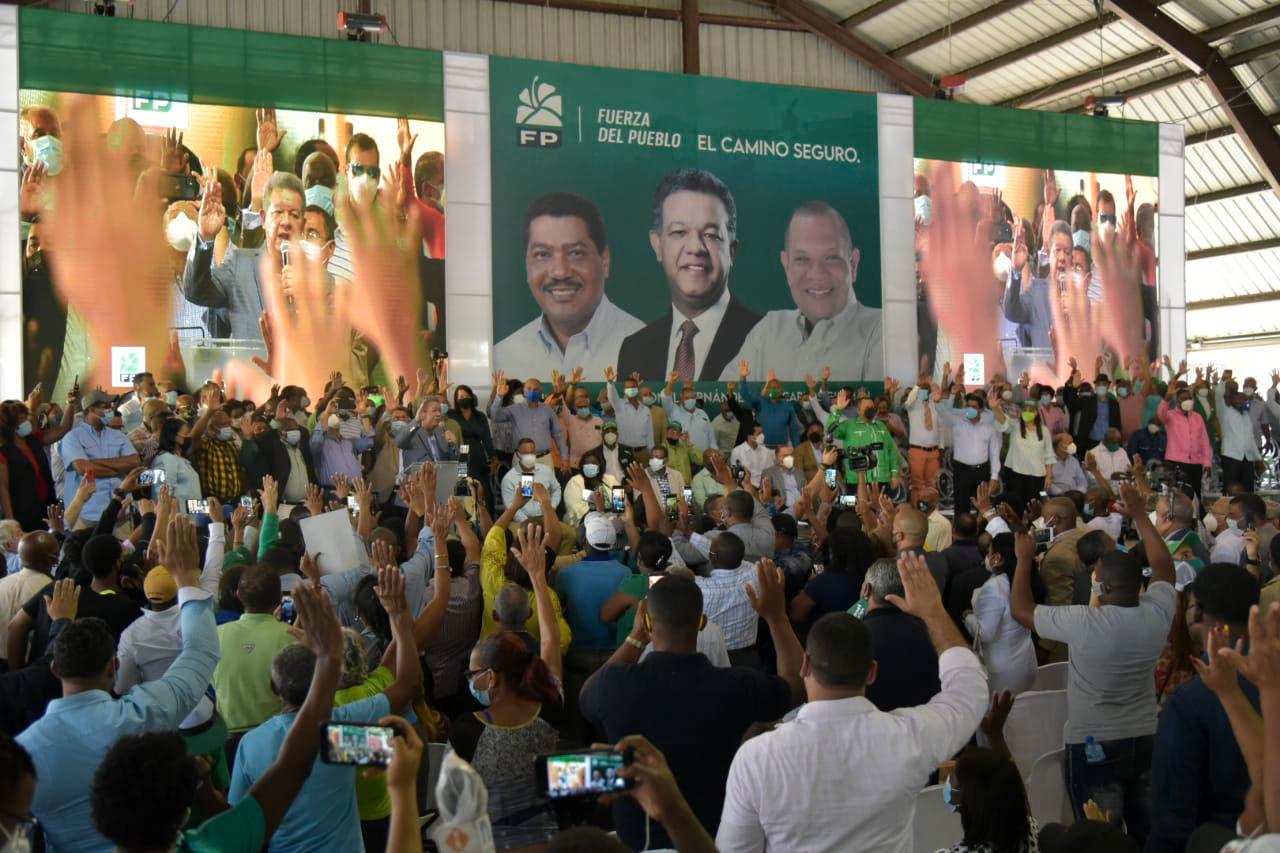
(179, 188)
(830, 477)
(357, 744)
(688, 496)
(196, 506)
(152, 477)
(464, 453)
(353, 505)
(526, 485)
(587, 494)
(582, 774)
(288, 612)
(673, 507)
(1044, 494)
(246, 501)
(619, 499)
(848, 500)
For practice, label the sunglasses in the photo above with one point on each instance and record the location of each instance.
(372, 171)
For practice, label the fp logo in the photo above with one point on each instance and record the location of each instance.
(539, 116)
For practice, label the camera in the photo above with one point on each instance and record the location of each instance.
(739, 472)
(862, 458)
(437, 354)
(1043, 539)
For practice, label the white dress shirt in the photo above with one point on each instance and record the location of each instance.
(1007, 648)
(695, 422)
(1110, 462)
(917, 433)
(845, 776)
(756, 460)
(532, 350)
(634, 420)
(708, 323)
(974, 442)
(1237, 427)
(849, 343)
(1228, 547)
(725, 602)
(532, 509)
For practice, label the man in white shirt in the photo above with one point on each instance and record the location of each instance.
(1109, 457)
(694, 238)
(525, 463)
(924, 436)
(753, 455)
(1239, 443)
(725, 425)
(843, 775)
(828, 324)
(567, 262)
(1068, 474)
(976, 447)
(694, 420)
(1243, 511)
(634, 420)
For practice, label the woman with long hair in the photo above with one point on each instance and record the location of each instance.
(1006, 646)
(1028, 465)
(591, 477)
(475, 429)
(523, 698)
(851, 553)
(986, 788)
(173, 445)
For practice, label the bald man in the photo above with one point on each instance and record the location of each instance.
(1061, 562)
(939, 535)
(910, 529)
(38, 552)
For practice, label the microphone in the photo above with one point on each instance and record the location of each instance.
(284, 253)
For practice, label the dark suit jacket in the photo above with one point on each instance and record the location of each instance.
(275, 457)
(232, 285)
(1032, 311)
(1084, 412)
(646, 350)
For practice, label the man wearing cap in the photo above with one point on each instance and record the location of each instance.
(682, 453)
(583, 588)
(617, 459)
(92, 447)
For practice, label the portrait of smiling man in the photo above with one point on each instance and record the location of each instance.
(828, 326)
(694, 237)
(567, 262)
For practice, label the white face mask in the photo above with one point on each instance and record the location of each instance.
(1210, 521)
(1071, 449)
(311, 250)
(610, 439)
(1040, 523)
(1186, 405)
(181, 232)
(1233, 525)
(1153, 429)
(362, 188)
(656, 464)
(293, 436)
(1154, 516)
(528, 460)
(225, 434)
(1003, 265)
(334, 422)
(788, 462)
(1249, 392)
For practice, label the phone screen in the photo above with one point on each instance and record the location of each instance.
(688, 496)
(526, 485)
(619, 500)
(357, 744)
(830, 477)
(849, 500)
(353, 505)
(587, 495)
(246, 502)
(288, 612)
(584, 774)
(196, 506)
(673, 506)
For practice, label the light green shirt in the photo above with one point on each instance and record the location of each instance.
(856, 433)
(372, 797)
(242, 678)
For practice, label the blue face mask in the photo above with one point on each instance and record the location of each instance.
(24, 429)
(590, 470)
(970, 412)
(322, 197)
(584, 411)
(171, 397)
(948, 797)
(690, 404)
(482, 696)
(47, 150)
(398, 427)
(534, 396)
(1046, 400)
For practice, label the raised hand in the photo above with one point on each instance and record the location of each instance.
(390, 590)
(769, 597)
(610, 375)
(173, 159)
(181, 557)
(992, 724)
(744, 369)
(268, 133)
(922, 596)
(1120, 266)
(270, 494)
(314, 500)
(530, 551)
(405, 140)
(64, 601)
(29, 203)
(318, 620)
(1262, 663)
(1219, 673)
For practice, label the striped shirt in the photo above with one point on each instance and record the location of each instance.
(725, 602)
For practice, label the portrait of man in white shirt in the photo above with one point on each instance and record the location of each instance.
(567, 264)
(828, 326)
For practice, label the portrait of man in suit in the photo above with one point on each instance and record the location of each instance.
(694, 238)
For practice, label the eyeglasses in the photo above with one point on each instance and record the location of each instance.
(372, 171)
(471, 674)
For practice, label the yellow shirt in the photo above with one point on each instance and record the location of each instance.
(493, 562)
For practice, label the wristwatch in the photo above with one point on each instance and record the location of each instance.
(632, 641)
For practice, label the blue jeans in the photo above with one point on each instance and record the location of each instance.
(1119, 784)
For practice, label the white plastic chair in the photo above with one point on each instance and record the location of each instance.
(1047, 790)
(1035, 726)
(935, 827)
(1051, 676)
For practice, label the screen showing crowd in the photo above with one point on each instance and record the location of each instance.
(1035, 270)
(230, 185)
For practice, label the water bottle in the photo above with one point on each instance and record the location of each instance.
(1093, 751)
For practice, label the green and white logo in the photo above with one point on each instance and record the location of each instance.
(539, 117)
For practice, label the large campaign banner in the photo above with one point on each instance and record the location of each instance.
(666, 224)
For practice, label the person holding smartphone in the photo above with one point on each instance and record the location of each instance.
(173, 446)
(579, 492)
(526, 465)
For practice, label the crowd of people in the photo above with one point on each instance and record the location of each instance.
(766, 607)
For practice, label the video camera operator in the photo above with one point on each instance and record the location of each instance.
(868, 446)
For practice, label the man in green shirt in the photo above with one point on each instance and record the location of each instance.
(242, 680)
(862, 432)
(146, 785)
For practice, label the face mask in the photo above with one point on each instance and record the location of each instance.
(728, 416)
(362, 188)
(293, 436)
(1071, 449)
(775, 394)
(466, 403)
(1046, 400)
(181, 232)
(923, 394)
(1002, 266)
(1249, 391)
(924, 209)
(171, 397)
(1040, 524)
(444, 409)
(1186, 405)
(690, 404)
(788, 462)
(482, 696)
(398, 427)
(807, 405)
(1122, 392)
(1112, 446)
(673, 440)
(1096, 587)
(47, 150)
(1154, 516)
(610, 439)
(520, 401)
(311, 250)
(591, 470)
(1203, 393)
(24, 429)
(1029, 417)
(650, 400)
(304, 402)
(1154, 429)
(815, 438)
(528, 460)
(1006, 395)
(322, 197)
(584, 412)
(534, 396)
(1233, 525)
(334, 422)
(1103, 390)
(630, 392)
(225, 434)
(971, 413)
(869, 416)
(948, 794)
(1210, 521)
(656, 464)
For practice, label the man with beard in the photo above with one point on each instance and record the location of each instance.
(694, 237)
(567, 262)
